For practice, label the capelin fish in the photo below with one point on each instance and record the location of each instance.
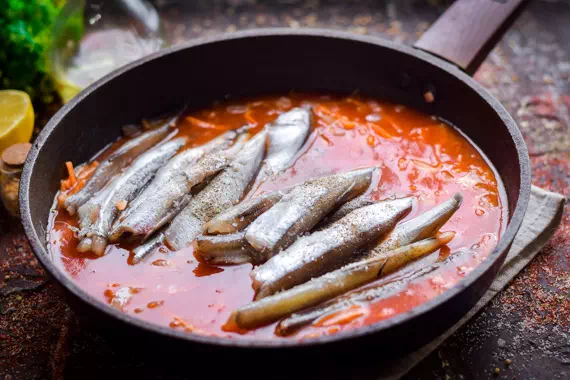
(97, 215)
(333, 284)
(150, 246)
(224, 191)
(358, 298)
(241, 215)
(116, 162)
(347, 208)
(286, 136)
(420, 227)
(170, 190)
(146, 249)
(229, 249)
(301, 209)
(328, 249)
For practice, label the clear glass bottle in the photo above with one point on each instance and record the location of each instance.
(95, 37)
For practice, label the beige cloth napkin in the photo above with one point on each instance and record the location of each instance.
(542, 218)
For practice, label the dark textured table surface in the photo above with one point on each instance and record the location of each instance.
(528, 323)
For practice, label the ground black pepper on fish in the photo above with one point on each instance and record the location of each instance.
(240, 216)
(301, 209)
(225, 190)
(171, 188)
(328, 249)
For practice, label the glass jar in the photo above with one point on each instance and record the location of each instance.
(95, 37)
(11, 165)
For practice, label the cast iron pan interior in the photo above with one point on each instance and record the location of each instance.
(277, 61)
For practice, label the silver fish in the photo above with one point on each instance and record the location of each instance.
(241, 215)
(229, 249)
(286, 136)
(225, 190)
(97, 215)
(347, 208)
(301, 209)
(382, 290)
(116, 162)
(420, 227)
(328, 249)
(146, 249)
(170, 190)
(333, 284)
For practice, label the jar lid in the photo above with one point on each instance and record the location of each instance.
(16, 154)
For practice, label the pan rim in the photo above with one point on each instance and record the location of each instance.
(497, 254)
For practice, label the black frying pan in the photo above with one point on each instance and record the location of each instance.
(279, 60)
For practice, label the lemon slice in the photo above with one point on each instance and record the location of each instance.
(16, 118)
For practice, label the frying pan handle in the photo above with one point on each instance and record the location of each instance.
(468, 31)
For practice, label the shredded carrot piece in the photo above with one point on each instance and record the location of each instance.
(390, 121)
(333, 330)
(247, 116)
(328, 141)
(380, 131)
(370, 140)
(204, 124)
(342, 317)
(178, 322)
(346, 122)
(75, 181)
(188, 327)
(322, 109)
(71, 171)
(426, 165)
(356, 101)
(311, 335)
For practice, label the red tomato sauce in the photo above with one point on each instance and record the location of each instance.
(419, 155)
